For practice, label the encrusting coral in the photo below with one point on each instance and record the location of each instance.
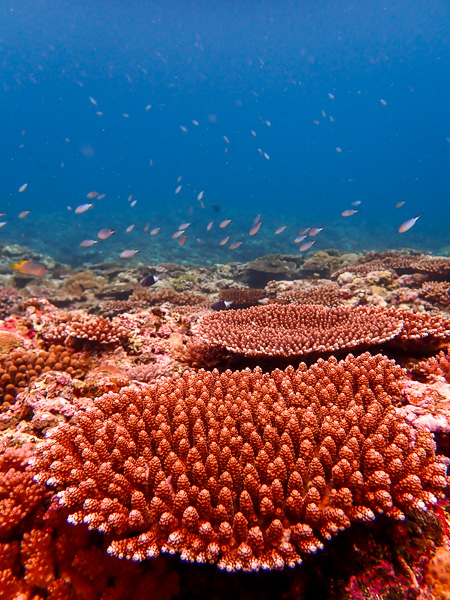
(245, 469)
(429, 265)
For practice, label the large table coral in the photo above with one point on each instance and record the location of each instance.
(243, 469)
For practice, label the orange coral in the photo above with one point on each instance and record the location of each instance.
(245, 469)
(437, 574)
(288, 330)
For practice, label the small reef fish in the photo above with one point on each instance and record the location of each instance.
(399, 204)
(355, 203)
(179, 178)
(130, 198)
(200, 195)
(178, 189)
(128, 253)
(235, 245)
(93, 101)
(88, 243)
(82, 208)
(408, 224)
(3, 223)
(330, 96)
(253, 132)
(155, 230)
(315, 230)
(149, 280)
(338, 150)
(349, 212)
(279, 230)
(307, 245)
(226, 139)
(224, 223)
(255, 228)
(101, 196)
(130, 228)
(146, 227)
(177, 234)
(23, 187)
(209, 226)
(183, 128)
(91, 195)
(133, 203)
(30, 267)
(183, 226)
(383, 102)
(299, 239)
(104, 234)
(224, 241)
(24, 214)
(182, 240)
(194, 122)
(221, 305)
(304, 230)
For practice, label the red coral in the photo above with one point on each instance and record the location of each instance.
(245, 469)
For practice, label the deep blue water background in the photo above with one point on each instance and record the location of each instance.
(231, 66)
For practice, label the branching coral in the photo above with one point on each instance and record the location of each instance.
(245, 469)
(288, 330)
(21, 367)
(438, 366)
(79, 330)
(242, 298)
(429, 265)
(325, 294)
(437, 292)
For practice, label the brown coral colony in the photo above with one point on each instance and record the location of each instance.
(243, 469)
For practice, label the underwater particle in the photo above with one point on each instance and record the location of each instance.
(338, 149)
(99, 113)
(307, 245)
(130, 228)
(316, 122)
(224, 241)
(88, 243)
(178, 189)
(148, 107)
(324, 114)
(155, 230)
(93, 101)
(255, 228)
(23, 187)
(104, 234)
(82, 208)
(400, 204)
(30, 267)
(383, 102)
(91, 195)
(221, 305)
(125, 115)
(128, 253)
(235, 245)
(149, 280)
(315, 230)
(349, 212)
(406, 226)
(224, 223)
(279, 230)
(23, 214)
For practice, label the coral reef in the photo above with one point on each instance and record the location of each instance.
(289, 330)
(243, 469)
(325, 294)
(438, 366)
(429, 265)
(437, 292)
(21, 367)
(242, 298)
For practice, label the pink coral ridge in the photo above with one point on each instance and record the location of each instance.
(428, 404)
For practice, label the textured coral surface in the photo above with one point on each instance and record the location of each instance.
(245, 469)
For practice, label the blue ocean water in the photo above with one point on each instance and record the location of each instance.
(290, 110)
